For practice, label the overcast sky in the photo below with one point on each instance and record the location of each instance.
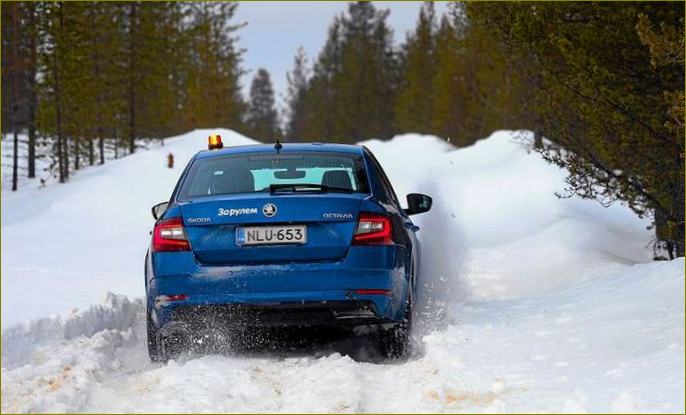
(276, 29)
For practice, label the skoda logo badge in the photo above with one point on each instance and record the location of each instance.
(269, 210)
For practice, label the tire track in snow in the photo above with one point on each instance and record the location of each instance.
(563, 350)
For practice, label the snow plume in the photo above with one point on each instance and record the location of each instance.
(420, 164)
(441, 283)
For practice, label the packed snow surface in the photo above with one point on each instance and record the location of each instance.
(550, 305)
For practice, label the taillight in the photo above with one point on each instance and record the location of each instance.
(373, 229)
(372, 291)
(169, 235)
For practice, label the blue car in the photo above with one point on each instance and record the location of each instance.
(282, 235)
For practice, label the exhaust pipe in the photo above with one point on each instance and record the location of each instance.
(353, 314)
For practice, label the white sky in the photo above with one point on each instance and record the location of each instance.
(276, 29)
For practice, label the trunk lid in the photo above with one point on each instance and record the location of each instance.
(330, 220)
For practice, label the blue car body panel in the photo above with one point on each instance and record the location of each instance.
(328, 268)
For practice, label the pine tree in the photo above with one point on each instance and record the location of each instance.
(213, 89)
(31, 31)
(12, 65)
(350, 94)
(179, 38)
(366, 83)
(298, 79)
(261, 117)
(322, 95)
(124, 71)
(448, 114)
(414, 104)
(596, 95)
(52, 63)
(77, 82)
(19, 66)
(133, 39)
(156, 98)
(105, 52)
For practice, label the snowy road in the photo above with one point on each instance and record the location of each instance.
(551, 305)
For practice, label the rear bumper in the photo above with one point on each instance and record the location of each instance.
(307, 314)
(290, 294)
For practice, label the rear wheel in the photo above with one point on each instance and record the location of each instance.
(395, 341)
(153, 350)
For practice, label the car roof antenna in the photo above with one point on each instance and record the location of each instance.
(278, 145)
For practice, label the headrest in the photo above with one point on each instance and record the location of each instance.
(236, 181)
(337, 178)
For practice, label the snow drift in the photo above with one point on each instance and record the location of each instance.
(548, 305)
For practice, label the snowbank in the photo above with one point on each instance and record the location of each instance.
(498, 221)
(116, 312)
(552, 305)
(67, 246)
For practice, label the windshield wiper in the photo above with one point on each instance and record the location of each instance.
(306, 187)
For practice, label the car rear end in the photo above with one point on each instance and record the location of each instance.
(267, 238)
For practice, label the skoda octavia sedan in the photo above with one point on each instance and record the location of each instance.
(292, 235)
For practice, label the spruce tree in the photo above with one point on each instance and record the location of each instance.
(366, 84)
(414, 104)
(350, 94)
(12, 64)
(298, 79)
(213, 88)
(122, 71)
(448, 114)
(31, 32)
(19, 68)
(322, 96)
(261, 117)
(600, 96)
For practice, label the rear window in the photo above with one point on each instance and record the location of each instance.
(251, 173)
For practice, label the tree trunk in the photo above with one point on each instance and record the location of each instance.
(77, 153)
(99, 99)
(663, 234)
(13, 126)
(13, 67)
(15, 152)
(101, 144)
(115, 142)
(62, 145)
(91, 152)
(132, 74)
(32, 100)
(678, 209)
(538, 140)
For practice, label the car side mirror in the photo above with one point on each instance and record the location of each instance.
(418, 203)
(159, 209)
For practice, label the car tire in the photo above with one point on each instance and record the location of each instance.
(395, 341)
(153, 350)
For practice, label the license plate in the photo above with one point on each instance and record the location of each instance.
(271, 235)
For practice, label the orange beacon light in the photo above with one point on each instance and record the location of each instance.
(214, 142)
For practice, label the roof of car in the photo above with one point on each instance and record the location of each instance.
(287, 148)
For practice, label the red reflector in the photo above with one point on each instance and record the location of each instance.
(371, 291)
(373, 229)
(163, 300)
(169, 235)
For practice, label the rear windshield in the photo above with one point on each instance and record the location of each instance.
(250, 173)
